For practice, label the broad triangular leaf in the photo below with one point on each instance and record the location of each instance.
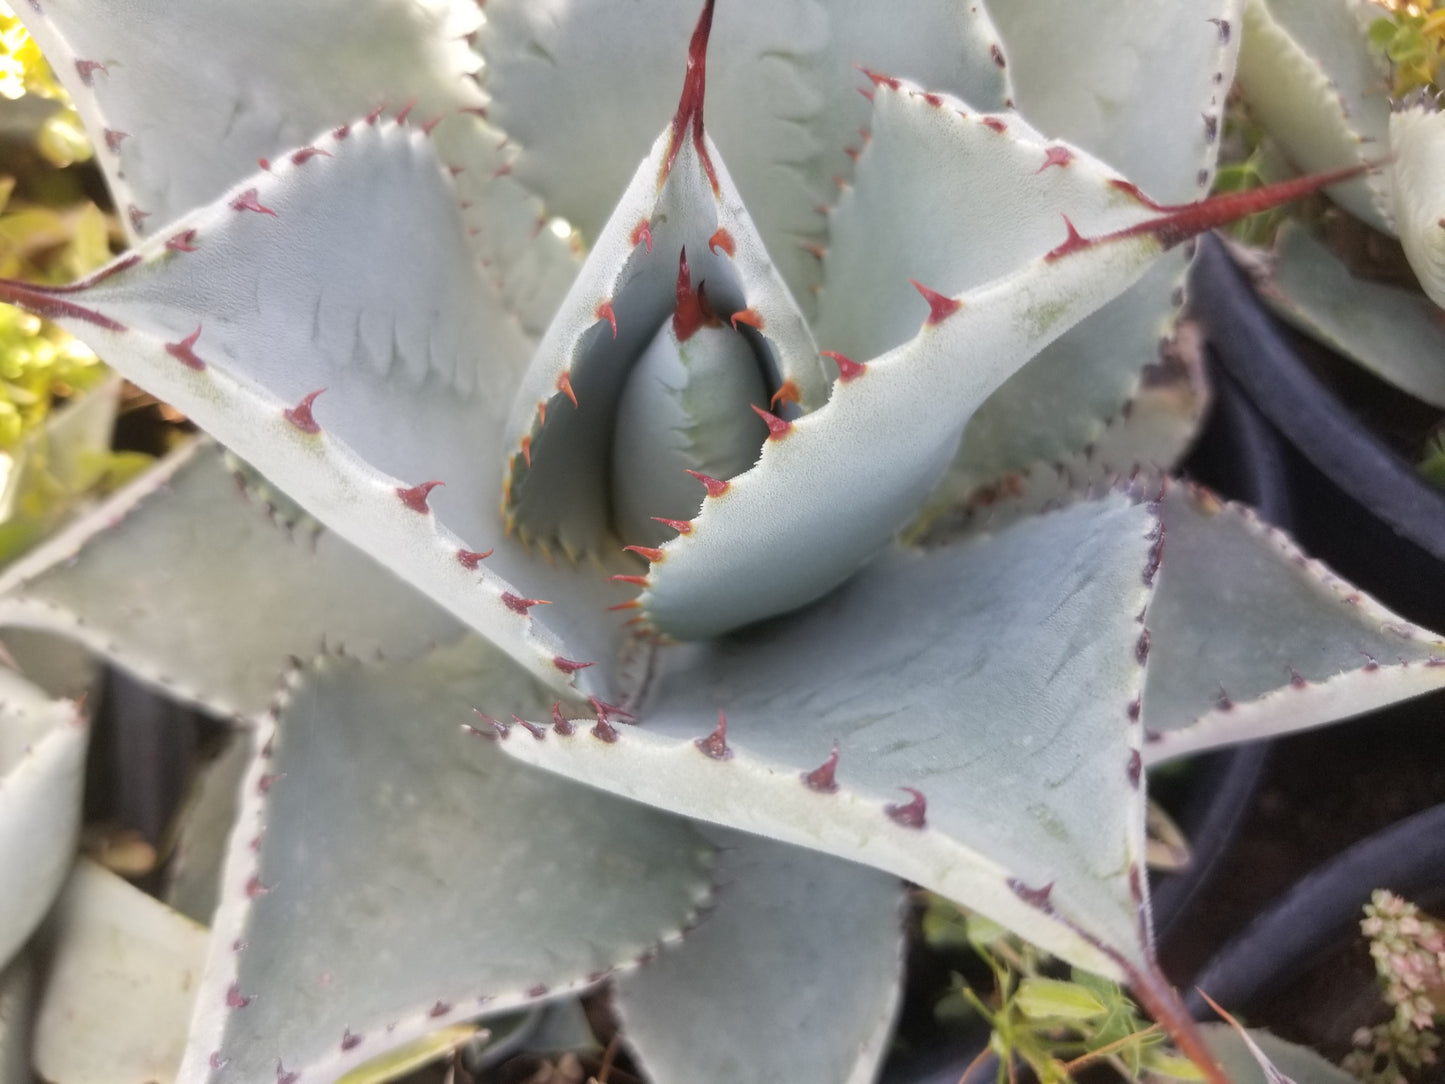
(444, 888)
(680, 209)
(1253, 639)
(343, 268)
(184, 97)
(1396, 334)
(997, 678)
(224, 597)
(833, 489)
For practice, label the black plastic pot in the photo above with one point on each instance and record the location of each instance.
(1358, 505)
(1364, 510)
(1240, 457)
(1314, 926)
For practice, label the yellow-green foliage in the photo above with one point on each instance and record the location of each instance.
(61, 138)
(55, 236)
(1055, 1026)
(1412, 36)
(39, 363)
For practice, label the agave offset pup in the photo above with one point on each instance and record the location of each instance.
(1327, 97)
(668, 401)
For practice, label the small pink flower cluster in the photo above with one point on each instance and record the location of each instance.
(1409, 953)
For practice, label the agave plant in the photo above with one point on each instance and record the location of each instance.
(1327, 97)
(684, 411)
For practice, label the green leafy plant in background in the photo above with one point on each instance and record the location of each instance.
(606, 663)
(60, 137)
(1348, 81)
(1412, 38)
(50, 462)
(1052, 1025)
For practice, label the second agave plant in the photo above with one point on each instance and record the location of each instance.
(588, 417)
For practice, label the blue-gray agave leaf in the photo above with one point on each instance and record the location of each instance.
(1395, 333)
(782, 99)
(1311, 78)
(1085, 388)
(339, 937)
(399, 725)
(953, 745)
(224, 323)
(209, 549)
(1317, 645)
(377, 310)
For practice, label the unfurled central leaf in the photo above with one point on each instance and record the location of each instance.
(582, 392)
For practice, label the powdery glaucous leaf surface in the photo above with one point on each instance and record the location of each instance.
(581, 378)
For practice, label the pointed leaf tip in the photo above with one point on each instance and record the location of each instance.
(692, 310)
(648, 553)
(568, 666)
(690, 103)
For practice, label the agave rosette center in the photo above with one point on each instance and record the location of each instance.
(677, 345)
